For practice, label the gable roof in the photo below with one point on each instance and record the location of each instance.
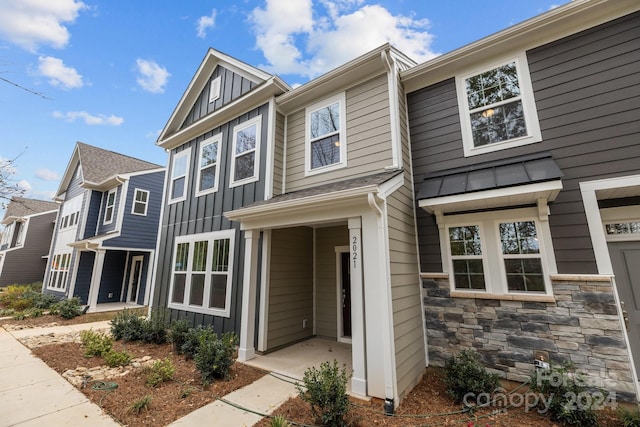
(20, 207)
(99, 166)
(266, 83)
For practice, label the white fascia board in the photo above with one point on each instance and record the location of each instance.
(494, 198)
(68, 173)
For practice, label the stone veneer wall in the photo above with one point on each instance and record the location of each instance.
(581, 326)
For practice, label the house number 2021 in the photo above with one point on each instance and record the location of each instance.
(354, 250)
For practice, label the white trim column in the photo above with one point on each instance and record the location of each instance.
(358, 350)
(96, 275)
(246, 349)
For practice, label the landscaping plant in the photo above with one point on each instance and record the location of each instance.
(114, 358)
(69, 308)
(194, 337)
(141, 404)
(630, 418)
(215, 356)
(465, 374)
(161, 371)
(325, 389)
(177, 334)
(95, 343)
(129, 326)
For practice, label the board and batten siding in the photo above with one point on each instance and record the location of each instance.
(205, 213)
(112, 276)
(83, 275)
(368, 137)
(326, 296)
(232, 86)
(586, 89)
(290, 286)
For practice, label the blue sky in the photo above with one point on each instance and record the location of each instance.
(110, 72)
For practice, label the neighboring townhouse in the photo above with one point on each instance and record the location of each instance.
(332, 250)
(526, 157)
(28, 226)
(103, 247)
(220, 144)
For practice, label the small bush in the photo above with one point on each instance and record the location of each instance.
(20, 297)
(194, 337)
(115, 358)
(161, 371)
(69, 308)
(34, 312)
(563, 388)
(177, 334)
(155, 328)
(95, 343)
(214, 356)
(326, 391)
(630, 418)
(465, 374)
(44, 301)
(140, 405)
(127, 326)
(280, 421)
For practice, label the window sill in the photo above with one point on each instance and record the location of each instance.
(505, 297)
(199, 309)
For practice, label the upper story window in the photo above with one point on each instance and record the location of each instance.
(497, 108)
(498, 252)
(246, 152)
(140, 202)
(109, 206)
(179, 173)
(326, 145)
(208, 169)
(20, 227)
(214, 89)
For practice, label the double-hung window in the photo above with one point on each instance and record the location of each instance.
(179, 173)
(497, 108)
(140, 202)
(246, 152)
(326, 145)
(59, 271)
(498, 253)
(202, 272)
(208, 165)
(109, 207)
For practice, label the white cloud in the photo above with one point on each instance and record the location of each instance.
(59, 74)
(31, 23)
(298, 40)
(47, 175)
(152, 76)
(206, 22)
(89, 119)
(23, 184)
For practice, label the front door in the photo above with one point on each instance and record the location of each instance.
(625, 257)
(344, 297)
(134, 278)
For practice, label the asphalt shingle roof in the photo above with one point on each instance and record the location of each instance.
(99, 165)
(21, 206)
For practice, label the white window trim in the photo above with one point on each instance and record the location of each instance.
(214, 89)
(528, 105)
(22, 232)
(176, 157)
(492, 257)
(65, 273)
(622, 214)
(214, 139)
(342, 103)
(133, 204)
(257, 121)
(106, 221)
(191, 239)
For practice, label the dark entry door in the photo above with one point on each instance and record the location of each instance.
(345, 273)
(134, 278)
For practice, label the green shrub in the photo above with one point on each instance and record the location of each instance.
(115, 358)
(155, 327)
(563, 389)
(325, 389)
(141, 404)
(69, 308)
(161, 371)
(34, 312)
(214, 356)
(465, 374)
(630, 418)
(194, 337)
(95, 343)
(177, 334)
(280, 421)
(44, 301)
(127, 326)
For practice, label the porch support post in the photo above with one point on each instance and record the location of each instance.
(246, 349)
(358, 351)
(96, 275)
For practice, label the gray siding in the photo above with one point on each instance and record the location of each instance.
(586, 89)
(105, 228)
(92, 207)
(326, 278)
(83, 276)
(26, 264)
(290, 286)
(232, 86)
(278, 158)
(368, 137)
(112, 276)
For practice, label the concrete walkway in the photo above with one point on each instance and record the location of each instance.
(32, 394)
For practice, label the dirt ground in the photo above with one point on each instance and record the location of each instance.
(425, 405)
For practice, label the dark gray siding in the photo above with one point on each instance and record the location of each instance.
(83, 277)
(27, 263)
(204, 214)
(105, 228)
(586, 88)
(112, 276)
(74, 188)
(232, 86)
(143, 278)
(93, 212)
(140, 231)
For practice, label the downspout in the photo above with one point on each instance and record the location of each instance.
(392, 83)
(387, 328)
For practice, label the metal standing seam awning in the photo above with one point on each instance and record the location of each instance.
(509, 182)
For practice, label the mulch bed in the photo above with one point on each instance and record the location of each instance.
(48, 319)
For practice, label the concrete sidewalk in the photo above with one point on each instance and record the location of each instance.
(32, 394)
